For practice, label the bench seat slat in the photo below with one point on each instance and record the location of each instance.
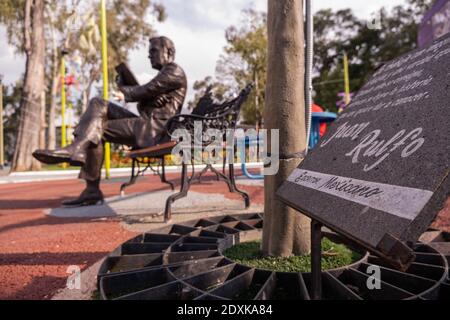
(155, 151)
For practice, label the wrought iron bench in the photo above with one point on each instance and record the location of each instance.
(156, 161)
(223, 116)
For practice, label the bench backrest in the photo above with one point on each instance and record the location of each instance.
(212, 115)
(228, 111)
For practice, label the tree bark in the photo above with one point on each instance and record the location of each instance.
(286, 232)
(54, 84)
(28, 131)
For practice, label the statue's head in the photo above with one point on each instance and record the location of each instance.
(161, 52)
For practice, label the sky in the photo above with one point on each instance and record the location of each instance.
(197, 28)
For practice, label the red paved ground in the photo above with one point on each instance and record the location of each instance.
(35, 250)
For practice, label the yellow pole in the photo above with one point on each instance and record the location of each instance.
(69, 122)
(105, 78)
(63, 101)
(346, 80)
(63, 104)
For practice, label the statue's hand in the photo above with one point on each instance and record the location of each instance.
(118, 96)
(161, 101)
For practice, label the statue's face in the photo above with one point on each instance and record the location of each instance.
(159, 54)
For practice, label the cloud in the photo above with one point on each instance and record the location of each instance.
(210, 14)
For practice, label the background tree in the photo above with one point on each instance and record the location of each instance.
(244, 60)
(219, 91)
(332, 31)
(60, 16)
(74, 24)
(34, 85)
(340, 31)
(128, 29)
(12, 16)
(336, 32)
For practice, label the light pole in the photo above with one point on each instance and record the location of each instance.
(105, 77)
(346, 80)
(64, 52)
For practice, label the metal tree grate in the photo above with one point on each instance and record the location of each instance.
(185, 262)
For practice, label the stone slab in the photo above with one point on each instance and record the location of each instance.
(380, 174)
(151, 203)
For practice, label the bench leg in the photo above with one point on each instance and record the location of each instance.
(200, 175)
(219, 175)
(231, 181)
(163, 175)
(132, 181)
(185, 184)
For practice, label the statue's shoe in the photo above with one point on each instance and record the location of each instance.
(85, 199)
(61, 156)
(52, 156)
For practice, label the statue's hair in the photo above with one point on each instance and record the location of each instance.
(166, 43)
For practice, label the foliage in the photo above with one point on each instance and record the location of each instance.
(249, 253)
(74, 24)
(12, 17)
(368, 48)
(218, 90)
(77, 24)
(335, 32)
(127, 27)
(244, 60)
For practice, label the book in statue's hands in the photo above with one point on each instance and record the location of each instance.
(127, 76)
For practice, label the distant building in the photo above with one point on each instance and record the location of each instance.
(435, 23)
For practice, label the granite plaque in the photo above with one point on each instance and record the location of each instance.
(380, 174)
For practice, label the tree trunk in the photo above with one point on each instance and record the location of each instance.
(286, 232)
(28, 132)
(54, 87)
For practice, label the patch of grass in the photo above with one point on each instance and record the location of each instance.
(333, 256)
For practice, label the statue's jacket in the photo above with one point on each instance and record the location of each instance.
(160, 99)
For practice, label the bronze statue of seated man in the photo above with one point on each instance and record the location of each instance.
(103, 121)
